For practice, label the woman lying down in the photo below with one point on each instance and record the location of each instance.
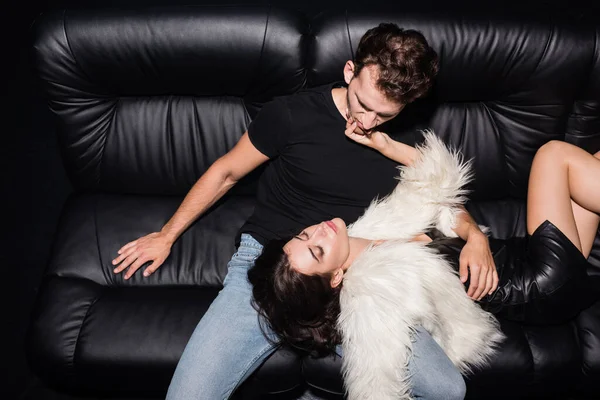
(370, 286)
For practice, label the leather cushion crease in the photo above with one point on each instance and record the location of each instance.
(146, 99)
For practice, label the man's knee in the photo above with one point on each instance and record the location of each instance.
(434, 376)
(456, 387)
(445, 384)
(450, 387)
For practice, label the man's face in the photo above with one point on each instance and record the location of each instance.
(367, 105)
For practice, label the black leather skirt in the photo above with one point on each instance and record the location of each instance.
(542, 277)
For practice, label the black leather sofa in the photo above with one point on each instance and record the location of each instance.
(147, 99)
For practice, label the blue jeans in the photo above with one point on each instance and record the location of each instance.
(228, 345)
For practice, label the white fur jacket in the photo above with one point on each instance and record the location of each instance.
(396, 286)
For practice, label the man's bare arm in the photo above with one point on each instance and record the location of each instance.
(222, 175)
(399, 152)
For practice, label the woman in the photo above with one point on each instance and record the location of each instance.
(394, 277)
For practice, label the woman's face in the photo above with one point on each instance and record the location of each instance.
(319, 249)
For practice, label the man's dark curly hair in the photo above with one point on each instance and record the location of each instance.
(406, 63)
(301, 309)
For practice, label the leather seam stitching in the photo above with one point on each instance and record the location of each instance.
(579, 97)
(71, 48)
(251, 363)
(575, 135)
(82, 71)
(74, 355)
(529, 351)
(79, 65)
(197, 173)
(262, 48)
(97, 236)
(271, 392)
(546, 46)
(103, 147)
(500, 139)
(170, 141)
(349, 38)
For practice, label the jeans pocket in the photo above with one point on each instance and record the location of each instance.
(244, 257)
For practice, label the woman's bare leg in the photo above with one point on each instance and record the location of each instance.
(564, 188)
(587, 226)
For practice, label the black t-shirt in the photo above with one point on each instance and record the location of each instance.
(315, 173)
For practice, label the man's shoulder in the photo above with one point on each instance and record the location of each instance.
(321, 89)
(314, 101)
(309, 95)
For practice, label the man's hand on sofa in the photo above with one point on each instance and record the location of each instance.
(154, 248)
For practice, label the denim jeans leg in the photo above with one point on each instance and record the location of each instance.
(432, 374)
(228, 343)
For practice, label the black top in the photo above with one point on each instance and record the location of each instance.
(315, 173)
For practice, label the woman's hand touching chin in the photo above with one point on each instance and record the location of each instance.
(374, 139)
(380, 141)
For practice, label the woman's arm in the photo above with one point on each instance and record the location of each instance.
(380, 141)
(397, 151)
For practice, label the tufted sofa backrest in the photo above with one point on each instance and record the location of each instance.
(583, 128)
(148, 99)
(506, 86)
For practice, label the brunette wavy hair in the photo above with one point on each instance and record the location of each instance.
(407, 64)
(301, 309)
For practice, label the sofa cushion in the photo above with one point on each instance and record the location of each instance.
(92, 326)
(147, 99)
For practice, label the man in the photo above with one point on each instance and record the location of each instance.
(316, 173)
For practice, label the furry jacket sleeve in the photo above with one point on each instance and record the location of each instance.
(393, 288)
(428, 195)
